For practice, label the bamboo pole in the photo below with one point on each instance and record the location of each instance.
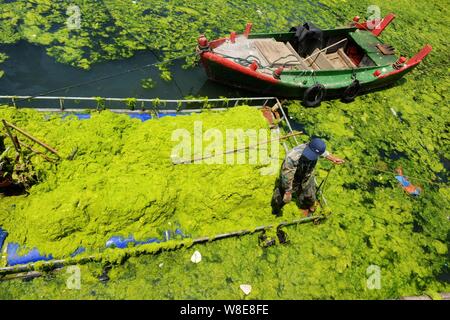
(29, 136)
(241, 149)
(10, 135)
(54, 264)
(43, 155)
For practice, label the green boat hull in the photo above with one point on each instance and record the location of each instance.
(287, 89)
(382, 70)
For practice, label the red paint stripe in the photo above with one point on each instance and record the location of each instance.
(389, 74)
(238, 68)
(421, 55)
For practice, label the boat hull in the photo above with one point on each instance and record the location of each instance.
(226, 61)
(234, 77)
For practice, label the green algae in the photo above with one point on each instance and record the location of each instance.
(373, 220)
(122, 181)
(274, 273)
(116, 29)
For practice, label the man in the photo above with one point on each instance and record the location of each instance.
(297, 176)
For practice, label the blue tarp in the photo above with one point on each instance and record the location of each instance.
(13, 258)
(121, 242)
(78, 251)
(3, 235)
(160, 115)
(82, 116)
(141, 116)
(33, 255)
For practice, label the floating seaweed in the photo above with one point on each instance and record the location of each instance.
(373, 223)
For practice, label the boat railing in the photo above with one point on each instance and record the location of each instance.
(155, 107)
(132, 105)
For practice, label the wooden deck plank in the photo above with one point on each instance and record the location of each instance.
(276, 53)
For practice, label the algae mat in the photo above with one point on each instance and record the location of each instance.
(374, 222)
(122, 181)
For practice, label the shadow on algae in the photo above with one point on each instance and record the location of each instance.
(374, 223)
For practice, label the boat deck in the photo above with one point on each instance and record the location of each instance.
(370, 44)
(271, 54)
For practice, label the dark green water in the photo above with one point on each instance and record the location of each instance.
(30, 71)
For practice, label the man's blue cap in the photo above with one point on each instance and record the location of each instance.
(314, 149)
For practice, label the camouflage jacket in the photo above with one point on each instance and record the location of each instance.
(292, 169)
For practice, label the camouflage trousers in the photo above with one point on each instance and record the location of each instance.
(305, 193)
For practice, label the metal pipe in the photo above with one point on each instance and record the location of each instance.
(137, 99)
(127, 110)
(287, 120)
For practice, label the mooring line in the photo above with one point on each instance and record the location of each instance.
(79, 84)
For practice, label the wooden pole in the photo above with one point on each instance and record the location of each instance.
(29, 136)
(293, 134)
(43, 155)
(9, 133)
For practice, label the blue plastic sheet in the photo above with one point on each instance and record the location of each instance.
(83, 116)
(78, 251)
(33, 255)
(121, 242)
(141, 116)
(80, 116)
(3, 235)
(160, 115)
(180, 233)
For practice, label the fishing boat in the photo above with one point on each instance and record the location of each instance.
(308, 63)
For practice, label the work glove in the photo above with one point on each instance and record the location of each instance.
(287, 197)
